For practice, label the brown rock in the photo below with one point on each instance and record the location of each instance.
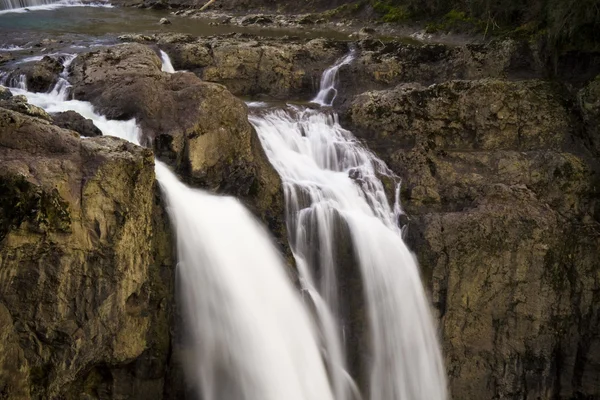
(503, 205)
(75, 122)
(199, 128)
(87, 268)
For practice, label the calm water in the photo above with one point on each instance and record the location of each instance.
(67, 29)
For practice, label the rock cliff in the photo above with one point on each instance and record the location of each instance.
(502, 193)
(86, 266)
(199, 128)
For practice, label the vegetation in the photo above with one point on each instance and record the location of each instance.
(564, 24)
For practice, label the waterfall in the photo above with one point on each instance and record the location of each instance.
(332, 184)
(166, 63)
(247, 333)
(327, 91)
(20, 6)
(10, 80)
(249, 336)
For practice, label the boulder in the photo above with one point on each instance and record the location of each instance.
(197, 127)
(504, 217)
(19, 104)
(40, 76)
(276, 68)
(75, 122)
(87, 270)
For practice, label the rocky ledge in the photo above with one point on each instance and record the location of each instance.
(197, 127)
(501, 184)
(87, 268)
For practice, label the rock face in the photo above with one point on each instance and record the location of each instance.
(276, 68)
(383, 65)
(503, 197)
(199, 128)
(86, 267)
(75, 122)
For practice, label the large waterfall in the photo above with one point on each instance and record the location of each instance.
(335, 198)
(247, 333)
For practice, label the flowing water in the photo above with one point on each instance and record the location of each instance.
(23, 6)
(247, 333)
(332, 185)
(328, 91)
(167, 66)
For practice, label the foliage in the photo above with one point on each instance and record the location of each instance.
(565, 24)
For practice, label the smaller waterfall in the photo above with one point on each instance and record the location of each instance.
(62, 87)
(20, 6)
(9, 79)
(328, 91)
(166, 63)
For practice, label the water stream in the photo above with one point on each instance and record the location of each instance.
(248, 334)
(334, 194)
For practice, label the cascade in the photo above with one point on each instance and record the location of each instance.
(332, 186)
(9, 80)
(247, 335)
(328, 91)
(166, 63)
(20, 6)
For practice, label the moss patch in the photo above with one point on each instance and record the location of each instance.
(21, 201)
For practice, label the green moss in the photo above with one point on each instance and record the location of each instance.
(457, 21)
(345, 10)
(22, 201)
(390, 12)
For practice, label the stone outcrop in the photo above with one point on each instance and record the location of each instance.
(382, 65)
(275, 68)
(503, 198)
(86, 265)
(75, 122)
(197, 127)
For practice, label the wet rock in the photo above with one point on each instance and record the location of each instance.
(164, 21)
(87, 268)
(381, 65)
(19, 104)
(42, 75)
(256, 20)
(197, 127)
(75, 122)
(503, 200)
(5, 93)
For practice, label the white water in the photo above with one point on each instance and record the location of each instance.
(248, 336)
(328, 175)
(166, 63)
(21, 6)
(328, 91)
(10, 80)
(11, 47)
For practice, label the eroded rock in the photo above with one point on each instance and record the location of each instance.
(503, 201)
(198, 127)
(75, 122)
(87, 271)
(276, 68)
